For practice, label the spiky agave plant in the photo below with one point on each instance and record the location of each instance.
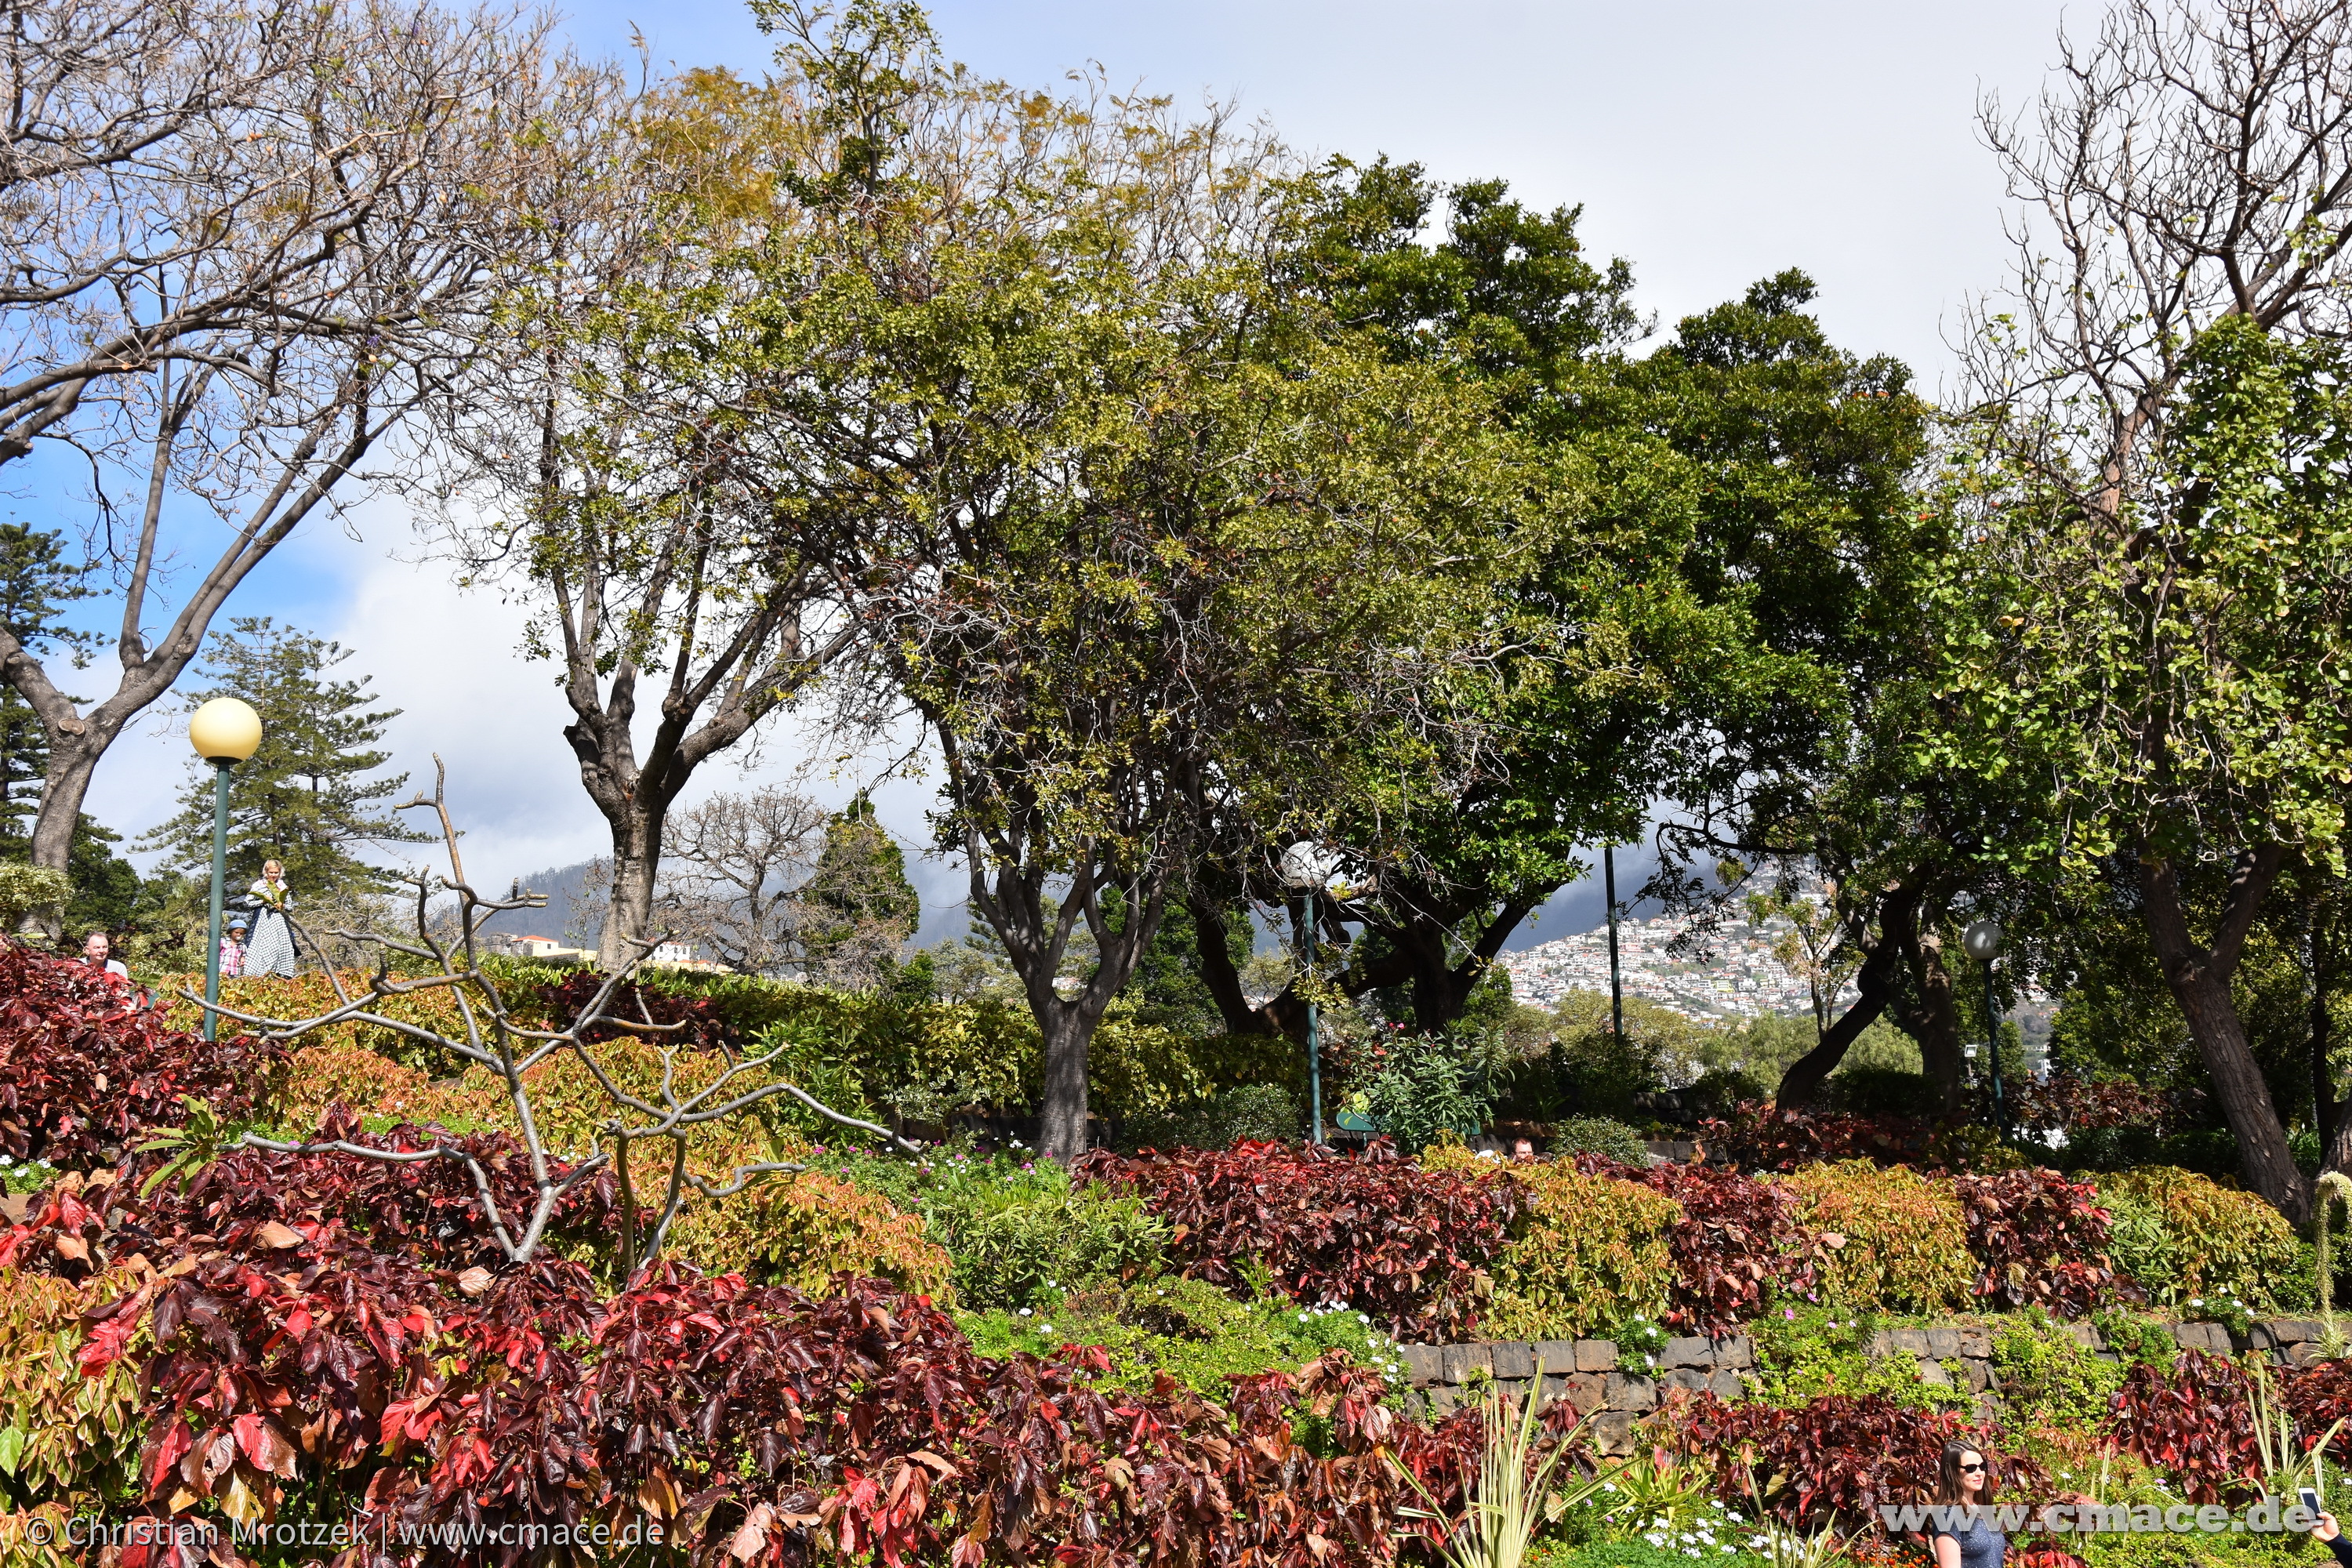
(1503, 1515)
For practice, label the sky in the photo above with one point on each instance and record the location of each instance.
(1710, 142)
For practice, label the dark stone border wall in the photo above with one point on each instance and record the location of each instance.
(1585, 1372)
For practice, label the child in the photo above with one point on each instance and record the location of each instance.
(232, 952)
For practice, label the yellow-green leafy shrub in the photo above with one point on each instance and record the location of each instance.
(310, 995)
(1592, 1253)
(357, 1078)
(2218, 1241)
(802, 1230)
(1893, 1239)
(65, 1439)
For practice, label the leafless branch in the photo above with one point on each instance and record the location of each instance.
(500, 1043)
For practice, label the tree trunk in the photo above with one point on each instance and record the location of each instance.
(1936, 1024)
(1802, 1084)
(64, 787)
(2323, 1030)
(2198, 978)
(1221, 979)
(1062, 1124)
(636, 857)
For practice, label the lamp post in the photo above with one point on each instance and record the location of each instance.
(224, 732)
(1981, 942)
(1307, 870)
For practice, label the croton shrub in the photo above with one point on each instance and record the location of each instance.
(83, 1075)
(1590, 1252)
(1411, 1247)
(294, 1369)
(1892, 1239)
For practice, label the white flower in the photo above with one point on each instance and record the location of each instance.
(1655, 1540)
(1024, 1311)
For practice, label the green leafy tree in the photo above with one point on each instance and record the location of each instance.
(857, 908)
(1731, 610)
(2148, 629)
(2185, 699)
(36, 583)
(306, 797)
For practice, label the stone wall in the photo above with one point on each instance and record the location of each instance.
(1586, 1373)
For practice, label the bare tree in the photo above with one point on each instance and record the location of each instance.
(324, 244)
(736, 865)
(497, 1041)
(2189, 167)
(127, 174)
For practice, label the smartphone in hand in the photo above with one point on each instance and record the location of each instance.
(2310, 1500)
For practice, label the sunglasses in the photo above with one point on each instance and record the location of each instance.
(1976, 1468)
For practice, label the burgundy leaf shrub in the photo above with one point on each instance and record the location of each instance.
(83, 1076)
(1407, 1245)
(698, 1019)
(2320, 1395)
(2065, 1102)
(2193, 1424)
(318, 1348)
(1837, 1457)
(1738, 1238)
(1764, 1137)
(2040, 1240)
(426, 1213)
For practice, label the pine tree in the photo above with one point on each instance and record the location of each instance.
(304, 798)
(36, 582)
(857, 907)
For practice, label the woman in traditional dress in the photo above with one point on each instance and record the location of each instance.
(271, 951)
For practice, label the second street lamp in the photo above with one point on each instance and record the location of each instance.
(1307, 869)
(1981, 942)
(224, 732)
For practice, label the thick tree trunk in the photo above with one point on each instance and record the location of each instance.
(637, 858)
(1802, 1084)
(1062, 1126)
(1935, 1022)
(64, 787)
(2198, 978)
(1222, 980)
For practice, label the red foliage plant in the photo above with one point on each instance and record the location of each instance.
(2040, 1240)
(2065, 1102)
(2193, 1424)
(1738, 1238)
(83, 1076)
(1838, 1457)
(321, 1349)
(1407, 1245)
(1764, 1137)
(701, 1022)
(2318, 1397)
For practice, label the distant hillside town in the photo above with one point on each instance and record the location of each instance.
(1734, 973)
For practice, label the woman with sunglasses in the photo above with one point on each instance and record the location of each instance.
(1965, 1480)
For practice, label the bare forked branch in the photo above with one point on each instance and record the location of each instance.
(495, 1040)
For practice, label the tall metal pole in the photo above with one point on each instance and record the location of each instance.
(1992, 1049)
(1616, 988)
(1314, 1052)
(221, 766)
